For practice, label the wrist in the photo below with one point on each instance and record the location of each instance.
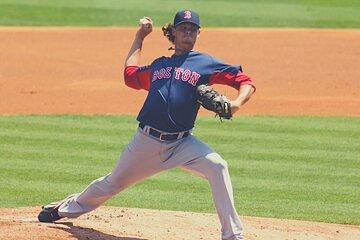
(235, 103)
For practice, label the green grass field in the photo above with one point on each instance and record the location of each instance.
(223, 13)
(283, 167)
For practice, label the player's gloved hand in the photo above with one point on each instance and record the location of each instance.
(145, 27)
(213, 101)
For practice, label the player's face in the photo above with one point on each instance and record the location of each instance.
(186, 35)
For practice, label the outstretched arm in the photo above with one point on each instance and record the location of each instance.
(245, 92)
(133, 57)
(133, 77)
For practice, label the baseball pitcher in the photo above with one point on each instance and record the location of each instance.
(177, 86)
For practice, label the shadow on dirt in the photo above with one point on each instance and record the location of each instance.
(82, 233)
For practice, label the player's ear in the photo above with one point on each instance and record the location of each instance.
(198, 35)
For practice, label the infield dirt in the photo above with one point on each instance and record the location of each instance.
(72, 70)
(109, 223)
(79, 71)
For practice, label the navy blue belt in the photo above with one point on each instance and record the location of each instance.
(164, 136)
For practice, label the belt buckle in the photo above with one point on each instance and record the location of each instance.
(161, 135)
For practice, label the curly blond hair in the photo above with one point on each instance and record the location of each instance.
(168, 32)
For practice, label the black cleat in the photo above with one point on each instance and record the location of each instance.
(49, 213)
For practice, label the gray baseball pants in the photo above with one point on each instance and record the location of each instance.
(145, 156)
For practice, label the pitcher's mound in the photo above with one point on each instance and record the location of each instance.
(107, 223)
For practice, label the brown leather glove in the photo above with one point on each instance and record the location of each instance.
(213, 101)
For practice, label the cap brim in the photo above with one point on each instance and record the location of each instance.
(187, 21)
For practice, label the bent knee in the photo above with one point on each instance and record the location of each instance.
(218, 164)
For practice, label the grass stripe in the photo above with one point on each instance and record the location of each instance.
(287, 167)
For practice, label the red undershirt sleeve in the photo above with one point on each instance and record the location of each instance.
(137, 78)
(231, 75)
(230, 79)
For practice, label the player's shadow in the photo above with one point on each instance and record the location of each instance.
(83, 233)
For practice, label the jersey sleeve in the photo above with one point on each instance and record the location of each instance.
(138, 77)
(230, 75)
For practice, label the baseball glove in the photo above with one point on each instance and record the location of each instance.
(213, 101)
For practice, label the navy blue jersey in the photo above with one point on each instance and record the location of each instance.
(171, 104)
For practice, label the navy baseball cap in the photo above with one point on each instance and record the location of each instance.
(187, 16)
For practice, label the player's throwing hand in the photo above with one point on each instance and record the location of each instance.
(145, 27)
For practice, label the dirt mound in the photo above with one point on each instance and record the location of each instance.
(110, 223)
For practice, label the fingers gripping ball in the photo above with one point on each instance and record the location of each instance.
(146, 25)
(213, 101)
(146, 22)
